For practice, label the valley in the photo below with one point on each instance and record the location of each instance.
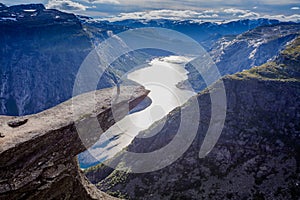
(164, 95)
(149, 102)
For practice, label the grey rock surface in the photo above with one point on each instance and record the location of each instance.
(38, 158)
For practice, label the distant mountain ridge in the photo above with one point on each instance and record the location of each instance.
(204, 33)
(34, 15)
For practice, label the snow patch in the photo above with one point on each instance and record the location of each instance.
(252, 54)
(29, 10)
(255, 44)
(8, 19)
(110, 33)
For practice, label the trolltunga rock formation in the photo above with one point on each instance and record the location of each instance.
(38, 152)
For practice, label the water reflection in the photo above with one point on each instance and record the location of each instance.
(161, 78)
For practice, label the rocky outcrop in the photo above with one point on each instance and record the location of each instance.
(38, 152)
(252, 48)
(233, 54)
(256, 157)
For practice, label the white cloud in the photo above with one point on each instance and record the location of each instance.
(235, 11)
(165, 14)
(250, 15)
(103, 1)
(295, 8)
(206, 15)
(278, 2)
(213, 15)
(284, 18)
(197, 3)
(66, 5)
(211, 11)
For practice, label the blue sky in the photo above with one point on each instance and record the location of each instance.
(200, 9)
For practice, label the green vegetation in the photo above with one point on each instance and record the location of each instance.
(95, 168)
(293, 49)
(285, 67)
(118, 176)
(117, 194)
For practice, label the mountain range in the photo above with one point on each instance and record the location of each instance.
(257, 154)
(232, 54)
(42, 50)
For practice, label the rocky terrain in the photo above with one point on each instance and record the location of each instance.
(256, 157)
(40, 55)
(252, 48)
(233, 54)
(38, 152)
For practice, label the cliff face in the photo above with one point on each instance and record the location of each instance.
(40, 54)
(41, 51)
(38, 152)
(256, 157)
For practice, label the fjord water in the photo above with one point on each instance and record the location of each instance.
(160, 77)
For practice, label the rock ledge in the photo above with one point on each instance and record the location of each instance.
(38, 158)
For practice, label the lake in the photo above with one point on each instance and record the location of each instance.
(160, 77)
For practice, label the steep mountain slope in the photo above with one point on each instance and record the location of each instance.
(40, 54)
(253, 48)
(38, 47)
(256, 157)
